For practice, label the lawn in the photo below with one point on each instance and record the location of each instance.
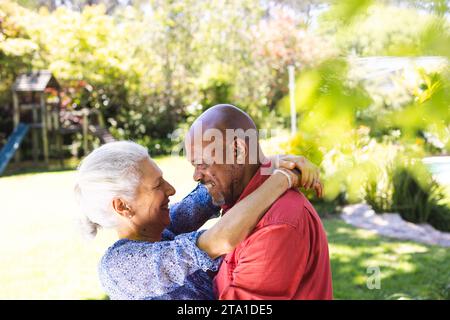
(43, 256)
(408, 270)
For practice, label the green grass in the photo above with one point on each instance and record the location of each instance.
(408, 270)
(43, 256)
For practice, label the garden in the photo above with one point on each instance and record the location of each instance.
(361, 88)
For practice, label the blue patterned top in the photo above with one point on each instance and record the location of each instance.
(171, 269)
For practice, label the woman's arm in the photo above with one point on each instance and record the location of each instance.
(147, 270)
(192, 212)
(240, 220)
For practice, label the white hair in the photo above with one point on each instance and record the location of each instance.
(109, 171)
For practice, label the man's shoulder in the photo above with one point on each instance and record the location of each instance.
(288, 209)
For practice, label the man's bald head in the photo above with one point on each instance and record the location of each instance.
(222, 145)
(224, 116)
(227, 126)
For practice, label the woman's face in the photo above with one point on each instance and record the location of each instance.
(151, 205)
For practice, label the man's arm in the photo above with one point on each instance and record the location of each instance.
(271, 265)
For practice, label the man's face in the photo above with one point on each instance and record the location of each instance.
(217, 176)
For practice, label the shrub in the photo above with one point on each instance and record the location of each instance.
(420, 199)
(440, 212)
(440, 217)
(380, 199)
(411, 198)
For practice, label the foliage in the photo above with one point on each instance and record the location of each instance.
(364, 42)
(278, 42)
(418, 198)
(181, 53)
(440, 217)
(410, 197)
(16, 53)
(403, 184)
(365, 136)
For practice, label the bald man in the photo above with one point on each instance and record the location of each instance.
(286, 256)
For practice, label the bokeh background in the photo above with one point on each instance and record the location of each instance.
(369, 87)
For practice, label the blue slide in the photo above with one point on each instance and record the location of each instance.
(14, 141)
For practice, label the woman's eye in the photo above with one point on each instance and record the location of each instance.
(157, 186)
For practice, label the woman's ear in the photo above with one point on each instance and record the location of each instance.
(240, 150)
(121, 207)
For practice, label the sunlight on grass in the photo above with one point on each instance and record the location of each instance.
(358, 233)
(45, 258)
(410, 248)
(408, 270)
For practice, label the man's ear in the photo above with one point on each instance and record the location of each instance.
(121, 207)
(240, 150)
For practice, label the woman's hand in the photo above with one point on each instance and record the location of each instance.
(292, 177)
(309, 172)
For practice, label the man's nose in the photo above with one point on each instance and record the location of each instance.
(198, 175)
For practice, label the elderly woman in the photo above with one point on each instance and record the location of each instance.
(160, 253)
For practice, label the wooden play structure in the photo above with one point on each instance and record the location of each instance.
(30, 103)
(37, 108)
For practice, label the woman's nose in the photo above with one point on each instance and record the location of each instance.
(170, 189)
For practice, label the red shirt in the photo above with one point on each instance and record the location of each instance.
(286, 256)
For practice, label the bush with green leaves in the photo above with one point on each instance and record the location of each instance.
(440, 217)
(412, 194)
(418, 198)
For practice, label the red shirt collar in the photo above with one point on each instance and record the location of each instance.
(257, 180)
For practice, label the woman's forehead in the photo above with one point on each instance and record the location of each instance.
(151, 170)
